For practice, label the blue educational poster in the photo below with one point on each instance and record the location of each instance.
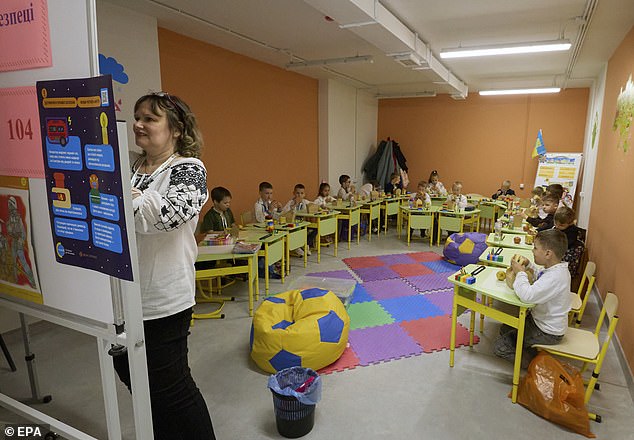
(83, 174)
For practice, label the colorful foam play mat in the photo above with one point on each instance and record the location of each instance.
(401, 307)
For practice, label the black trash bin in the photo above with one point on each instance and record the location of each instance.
(296, 391)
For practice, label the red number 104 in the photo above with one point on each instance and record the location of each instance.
(17, 129)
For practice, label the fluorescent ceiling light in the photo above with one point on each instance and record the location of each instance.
(519, 91)
(506, 49)
(329, 61)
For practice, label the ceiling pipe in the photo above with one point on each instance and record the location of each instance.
(390, 35)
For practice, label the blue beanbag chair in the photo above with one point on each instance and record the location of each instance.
(465, 248)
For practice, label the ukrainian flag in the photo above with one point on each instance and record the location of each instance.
(539, 149)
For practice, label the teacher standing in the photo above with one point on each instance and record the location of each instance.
(168, 190)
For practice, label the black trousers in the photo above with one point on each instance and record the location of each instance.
(178, 409)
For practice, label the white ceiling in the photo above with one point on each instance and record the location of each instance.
(280, 31)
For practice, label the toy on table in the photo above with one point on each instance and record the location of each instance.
(270, 226)
(494, 255)
(510, 275)
(467, 278)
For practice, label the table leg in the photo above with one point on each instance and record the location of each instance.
(283, 265)
(266, 270)
(471, 327)
(318, 243)
(454, 319)
(287, 253)
(306, 250)
(256, 282)
(349, 230)
(337, 240)
(409, 228)
(518, 353)
(251, 281)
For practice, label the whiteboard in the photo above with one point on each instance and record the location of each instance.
(562, 168)
(69, 289)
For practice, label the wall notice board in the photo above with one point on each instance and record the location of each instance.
(562, 168)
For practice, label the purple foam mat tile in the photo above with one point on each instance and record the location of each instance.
(442, 299)
(425, 283)
(339, 274)
(375, 273)
(390, 260)
(376, 344)
(442, 266)
(393, 288)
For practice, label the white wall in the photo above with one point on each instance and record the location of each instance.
(132, 39)
(347, 130)
(595, 109)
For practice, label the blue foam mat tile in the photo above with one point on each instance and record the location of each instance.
(360, 295)
(409, 308)
(442, 266)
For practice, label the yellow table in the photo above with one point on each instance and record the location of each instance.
(373, 209)
(273, 249)
(508, 241)
(464, 297)
(490, 211)
(351, 213)
(325, 222)
(296, 238)
(457, 220)
(438, 200)
(389, 206)
(516, 231)
(417, 218)
(507, 254)
(251, 269)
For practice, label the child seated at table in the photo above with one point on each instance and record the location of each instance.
(299, 203)
(546, 323)
(393, 184)
(565, 221)
(266, 207)
(324, 198)
(435, 186)
(549, 205)
(366, 190)
(219, 217)
(347, 189)
(421, 198)
(556, 190)
(505, 190)
(456, 196)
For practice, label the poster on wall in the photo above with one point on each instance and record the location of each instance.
(18, 273)
(20, 143)
(24, 35)
(83, 174)
(562, 168)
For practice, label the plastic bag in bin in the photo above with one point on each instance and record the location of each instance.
(302, 383)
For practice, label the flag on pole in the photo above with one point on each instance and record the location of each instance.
(539, 149)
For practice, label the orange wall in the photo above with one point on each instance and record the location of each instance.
(259, 122)
(485, 139)
(611, 232)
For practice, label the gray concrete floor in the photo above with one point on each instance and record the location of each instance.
(417, 397)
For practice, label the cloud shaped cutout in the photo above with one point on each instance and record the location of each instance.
(110, 66)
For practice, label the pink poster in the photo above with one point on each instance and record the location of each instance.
(24, 35)
(20, 139)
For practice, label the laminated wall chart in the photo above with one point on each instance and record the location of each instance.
(83, 175)
(562, 168)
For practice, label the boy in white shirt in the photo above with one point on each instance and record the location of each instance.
(347, 190)
(456, 195)
(299, 203)
(546, 323)
(266, 208)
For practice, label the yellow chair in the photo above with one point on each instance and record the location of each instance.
(578, 305)
(246, 217)
(585, 346)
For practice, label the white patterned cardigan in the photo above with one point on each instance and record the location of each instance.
(165, 218)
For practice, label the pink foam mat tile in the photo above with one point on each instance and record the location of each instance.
(396, 259)
(425, 283)
(361, 262)
(387, 342)
(347, 361)
(424, 256)
(410, 270)
(434, 334)
(383, 289)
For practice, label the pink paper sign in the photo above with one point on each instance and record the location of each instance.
(24, 35)
(20, 139)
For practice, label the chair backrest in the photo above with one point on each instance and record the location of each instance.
(246, 217)
(588, 276)
(609, 309)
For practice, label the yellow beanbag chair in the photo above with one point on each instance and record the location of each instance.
(307, 328)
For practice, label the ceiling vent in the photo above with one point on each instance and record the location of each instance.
(409, 59)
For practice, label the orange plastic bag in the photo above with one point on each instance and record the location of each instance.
(554, 391)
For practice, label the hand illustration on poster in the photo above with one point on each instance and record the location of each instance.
(81, 161)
